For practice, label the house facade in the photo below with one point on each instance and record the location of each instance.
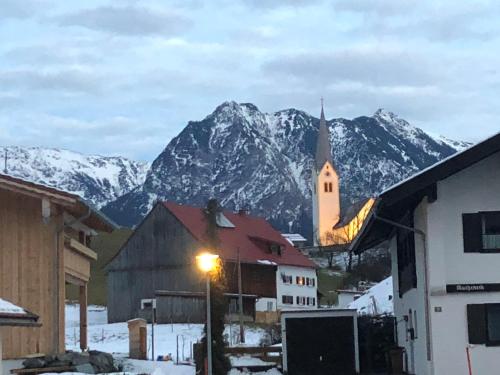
(443, 230)
(44, 233)
(158, 261)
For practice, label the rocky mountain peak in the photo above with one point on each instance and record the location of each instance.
(244, 157)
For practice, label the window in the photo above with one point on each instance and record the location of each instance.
(300, 280)
(326, 187)
(301, 300)
(407, 271)
(311, 301)
(287, 300)
(481, 232)
(270, 306)
(287, 279)
(330, 187)
(483, 322)
(275, 249)
(310, 281)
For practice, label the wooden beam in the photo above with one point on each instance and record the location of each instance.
(80, 248)
(36, 192)
(83, 318)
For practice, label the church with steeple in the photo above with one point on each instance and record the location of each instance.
(329, 226)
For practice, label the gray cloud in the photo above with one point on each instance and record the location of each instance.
(373, 66)
(376, 7)
(51, 55)
(20, 9)
(65, 80)
(129, 20)
(270, 4)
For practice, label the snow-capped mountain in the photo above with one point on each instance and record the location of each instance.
(98, 179)
(262, 162)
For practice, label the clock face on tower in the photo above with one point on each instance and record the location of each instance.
(327, 174)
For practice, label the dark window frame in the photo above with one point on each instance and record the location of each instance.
(473, 226)
(287, 299)
(406, 256)
(477, 321)
(488, 341)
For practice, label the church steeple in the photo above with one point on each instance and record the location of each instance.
(323, 151)
(325, 188)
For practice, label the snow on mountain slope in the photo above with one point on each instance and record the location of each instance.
(262, 161)
(98, 179)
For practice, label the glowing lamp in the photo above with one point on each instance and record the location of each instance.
(207, 262)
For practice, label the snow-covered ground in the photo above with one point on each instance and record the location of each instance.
(377, 300)
(113, 338)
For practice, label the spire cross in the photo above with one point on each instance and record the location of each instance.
(321, 102)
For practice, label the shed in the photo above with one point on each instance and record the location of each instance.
(320, 342)
(44, 236)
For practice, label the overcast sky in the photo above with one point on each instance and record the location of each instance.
(124, 77)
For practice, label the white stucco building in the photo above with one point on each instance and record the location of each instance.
(296, 289)
(443, 228)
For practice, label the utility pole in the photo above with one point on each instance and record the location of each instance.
(240, 300)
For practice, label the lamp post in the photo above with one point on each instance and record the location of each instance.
(207, 263)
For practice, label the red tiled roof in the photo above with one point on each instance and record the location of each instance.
(248, 232)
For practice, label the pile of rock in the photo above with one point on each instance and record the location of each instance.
(91, 362)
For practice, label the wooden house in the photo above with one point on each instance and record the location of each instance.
(158, 261)
(44, 234)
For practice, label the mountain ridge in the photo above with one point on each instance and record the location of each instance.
(245, 157)
(98, 179)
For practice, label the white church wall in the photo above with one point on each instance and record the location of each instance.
(327, 202)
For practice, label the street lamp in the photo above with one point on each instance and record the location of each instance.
(207, 263)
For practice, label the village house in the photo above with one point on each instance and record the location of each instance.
(44, 234)
(443, 229)
(158, 261)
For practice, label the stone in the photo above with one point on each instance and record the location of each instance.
(36, 362)
(85, 368)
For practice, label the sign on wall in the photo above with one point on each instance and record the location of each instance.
(472, 288)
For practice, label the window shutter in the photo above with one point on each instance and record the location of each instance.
(472, 233)
(476, 322)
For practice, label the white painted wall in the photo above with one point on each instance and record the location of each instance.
(326, 205)
(475, 189)
(294, 289)
(262, 304)
(344, 299)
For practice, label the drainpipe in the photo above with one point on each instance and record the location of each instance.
(59, 230)
(426, 279)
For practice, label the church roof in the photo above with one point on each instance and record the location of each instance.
(352, 212)
(323, 150)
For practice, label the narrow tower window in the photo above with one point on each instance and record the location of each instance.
(330, 187)
(326, 187)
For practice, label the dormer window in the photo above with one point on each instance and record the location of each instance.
(276, 249)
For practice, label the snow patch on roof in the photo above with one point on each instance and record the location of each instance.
(377, 300)
(7, 307)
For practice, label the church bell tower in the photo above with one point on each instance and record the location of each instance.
(325, 189)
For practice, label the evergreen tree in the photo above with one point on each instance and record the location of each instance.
(220, 362)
